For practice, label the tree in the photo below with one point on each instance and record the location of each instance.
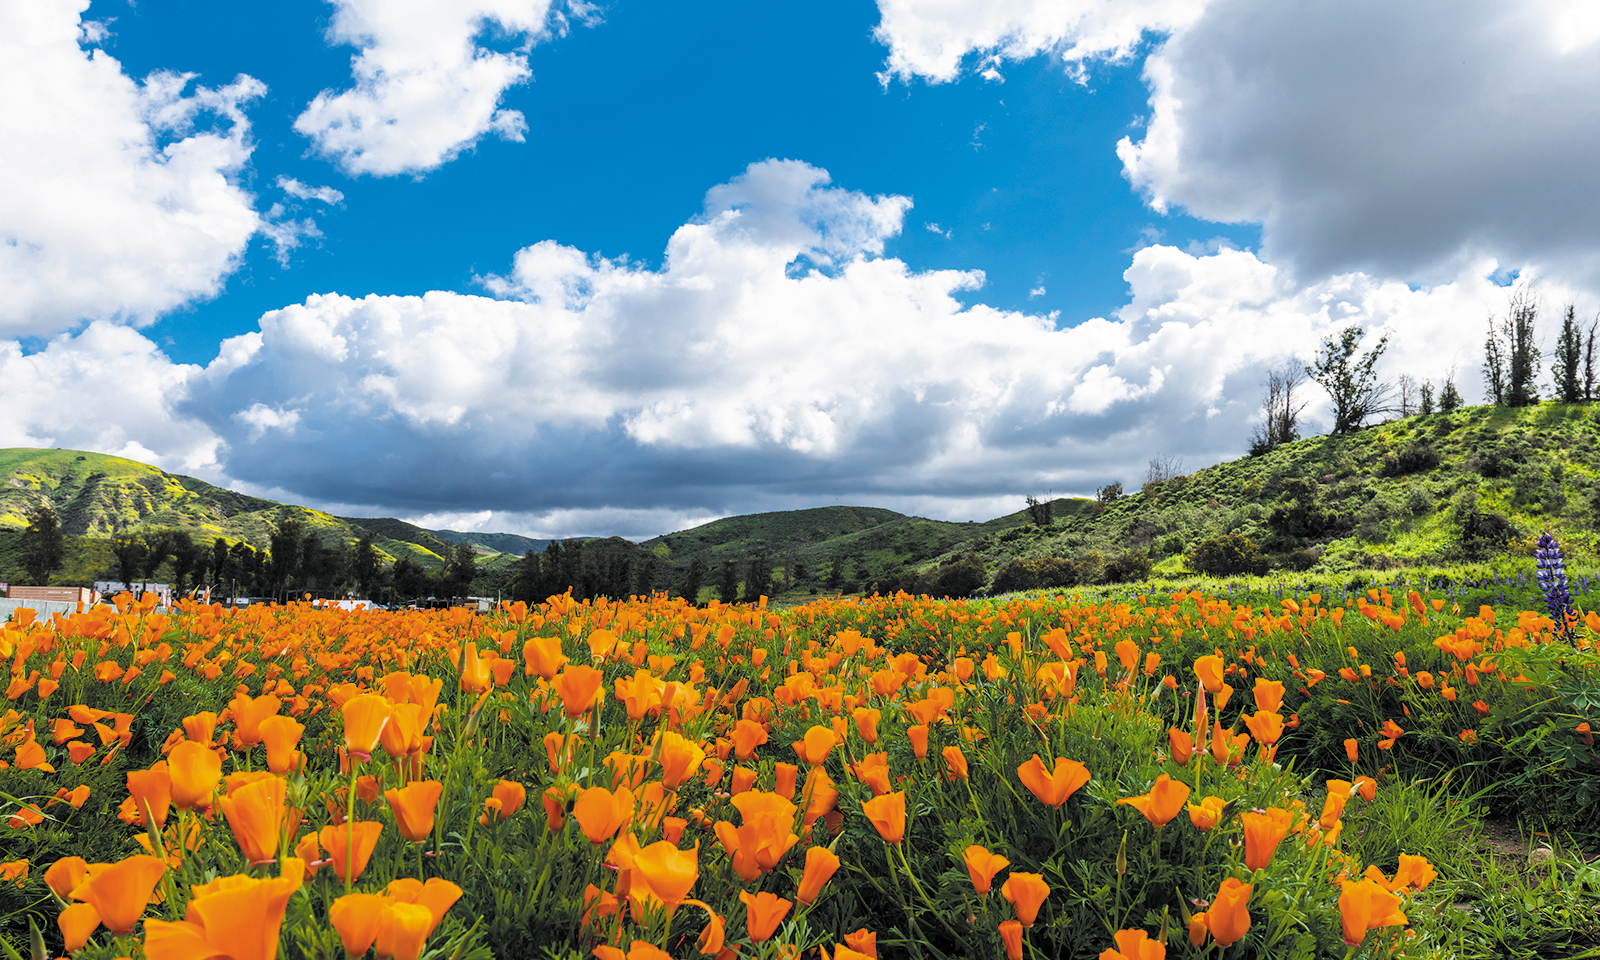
(1041, 512)
(1426, 406)
(1280, 410)
(1589, 369)
(528, 578)
(285, 547)
(1449, 397)
(1109, 493)
(728, 581)
(758, 575)
(129, 549)
(158, 547)
(223, 569)
(44, 547)
(409, 578)
(186, 557)
(365, 565)
(1511, 358)
(1406, 388)
(693, 579)
(459, 569)
(1494, 365)
(1569, 358)
(1350, 379)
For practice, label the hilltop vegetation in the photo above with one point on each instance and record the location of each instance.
(1426, 491)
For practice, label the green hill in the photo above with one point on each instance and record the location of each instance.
(1423, 491)
(1416, 492)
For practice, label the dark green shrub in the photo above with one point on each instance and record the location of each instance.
(1227, 554)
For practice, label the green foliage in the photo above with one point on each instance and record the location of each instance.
(1227, 554)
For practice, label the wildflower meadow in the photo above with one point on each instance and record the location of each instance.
(1171, 775)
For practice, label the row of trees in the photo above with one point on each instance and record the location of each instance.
(297, 561)
(1350, 376)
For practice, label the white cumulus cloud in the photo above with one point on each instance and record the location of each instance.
(118, 199)
(930, 38)
(1402, 139)
(426, 88)
(775, 360)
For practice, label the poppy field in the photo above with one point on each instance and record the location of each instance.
(1146, 776)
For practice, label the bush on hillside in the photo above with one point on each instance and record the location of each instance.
(1227, 554)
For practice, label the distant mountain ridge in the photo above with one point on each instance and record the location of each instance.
(98, 496)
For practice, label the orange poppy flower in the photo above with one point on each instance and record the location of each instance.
(680, 758)
(281, 735)
(1164, 801)
(918, 735)
(1269, 695)
(193, 770)
(663, 872)
(747, 735)
(1053, 788)
(601, 813)
(820, 796)
(350, 846)
(413, 807)
(355, 917)
(1266, 727)
(78, 751)
(821, 863)
(255, 814)
(1027, 892)
(509, 796)
(867, 721)
(982, 866)
(1208, 814)
(1229, 915)
(1182, 746)
(78, 922)
(1339, 792)
(1262, 834)
(151, 790)
(763, 913)
(576, 686)
(120, 892)
(1010, 938)
(1209, 670)
(1135, 945)
(543, 656)
(201, 727)
(248, 714)
(402, 930)
(66, 875)
(475, 677)
(364, 720)
(438, 895)
(1364, 905)
(1352, 750)
(888, 815)
(238, 916)
(957, 763)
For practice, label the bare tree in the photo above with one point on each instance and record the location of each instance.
(1280, 409)
(1589, 371)
(1406, 387)
(1163, 468)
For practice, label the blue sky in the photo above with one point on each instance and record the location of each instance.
(562, 268)
(632, 118)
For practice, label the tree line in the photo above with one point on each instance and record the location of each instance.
(1511, 368)
(296, 562)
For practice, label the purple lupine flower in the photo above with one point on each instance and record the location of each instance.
(1552, 577)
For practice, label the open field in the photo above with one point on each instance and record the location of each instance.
(577, 778)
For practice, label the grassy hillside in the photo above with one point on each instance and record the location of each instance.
(1439, 490)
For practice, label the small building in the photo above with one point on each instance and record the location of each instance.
(81, 595)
